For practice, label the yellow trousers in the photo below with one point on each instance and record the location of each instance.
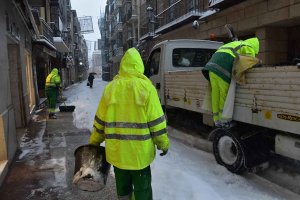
(219, 90)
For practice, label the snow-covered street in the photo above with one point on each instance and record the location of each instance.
(185, 172)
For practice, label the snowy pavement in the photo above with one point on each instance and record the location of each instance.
(185, 172)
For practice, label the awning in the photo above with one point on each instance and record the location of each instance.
(47, 47)
(60, 45)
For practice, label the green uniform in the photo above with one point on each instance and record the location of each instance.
(219, 68)
(131, 121)
(52, 85)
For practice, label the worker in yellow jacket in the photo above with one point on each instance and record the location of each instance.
(53, 84)
(219, 70)
(130, 120)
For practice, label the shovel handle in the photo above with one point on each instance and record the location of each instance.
(61, 97)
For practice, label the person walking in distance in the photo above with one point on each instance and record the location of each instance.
(91, 79)
(131, 121)
(53, 84)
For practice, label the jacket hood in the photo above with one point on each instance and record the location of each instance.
(254, 42)
(131, 63)
(54, 71)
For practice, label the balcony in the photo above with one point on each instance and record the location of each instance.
(116, 6)
(118, 3)
(46, 32)
(55, 29)
(130, 35)
(117, 29)
(54, 2)
(117, 53)
(178, 14)
(131, 15)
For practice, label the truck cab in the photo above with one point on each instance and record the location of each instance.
(186, 55)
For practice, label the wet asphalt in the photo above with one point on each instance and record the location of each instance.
(44, 164)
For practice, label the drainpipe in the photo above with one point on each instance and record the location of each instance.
(139, 20)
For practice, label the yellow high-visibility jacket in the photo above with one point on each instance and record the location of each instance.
(130, 118)
(221, 62)
(53, 79)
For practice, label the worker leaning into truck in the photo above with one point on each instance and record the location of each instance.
(53, 85)
(131, 121)
(218, 71)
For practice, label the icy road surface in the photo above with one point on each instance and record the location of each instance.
(184, 173)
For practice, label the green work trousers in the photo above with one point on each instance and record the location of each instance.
(136, 181)
(219, 90)
(51, 93)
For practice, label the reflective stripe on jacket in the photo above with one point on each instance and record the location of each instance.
(53, 79)
(130, 118)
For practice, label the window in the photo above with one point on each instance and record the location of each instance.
(189, 57)
(152, 65)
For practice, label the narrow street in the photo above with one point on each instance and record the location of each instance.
(227, 74)
(44, 165)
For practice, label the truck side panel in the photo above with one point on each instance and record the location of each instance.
(185, 89)
(271, 97)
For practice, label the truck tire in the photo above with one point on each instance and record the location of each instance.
(228, 150)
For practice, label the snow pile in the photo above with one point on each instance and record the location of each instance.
(86, 100)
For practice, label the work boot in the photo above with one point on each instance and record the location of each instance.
(218, 124)
(227, 125)
(52, 116)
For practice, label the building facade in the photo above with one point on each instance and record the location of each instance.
(148, 22)
(35, 37)
(249, 18)
(17, 93)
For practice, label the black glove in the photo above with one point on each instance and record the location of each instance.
(164, 152)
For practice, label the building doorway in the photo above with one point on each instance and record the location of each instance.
(16, 83)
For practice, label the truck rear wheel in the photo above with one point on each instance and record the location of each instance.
(228, 150)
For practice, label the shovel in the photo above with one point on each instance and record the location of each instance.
(66, 108)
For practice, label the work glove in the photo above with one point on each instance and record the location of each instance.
(164, 152)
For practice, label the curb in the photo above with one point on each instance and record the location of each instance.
(192, 140)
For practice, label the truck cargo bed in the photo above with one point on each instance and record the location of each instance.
(270, 98)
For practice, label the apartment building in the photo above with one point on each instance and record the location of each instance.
(274, 22)
(17, 93)
(147, 22)
(119, 29)
(34, 37)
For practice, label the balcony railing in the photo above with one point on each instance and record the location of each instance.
(118, 52)
(178, 13)
(131, 14)
(54, 2)
(46, 31)
(117, 29)
(118, 3)
(55, 29)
